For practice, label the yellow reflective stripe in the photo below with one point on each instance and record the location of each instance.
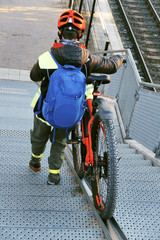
(37, 156)
(35, 99)
(43, 120)
(89, 91)
(46, 61)
(54, 171)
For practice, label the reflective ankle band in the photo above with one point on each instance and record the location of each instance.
(37, 156)
(54, 171)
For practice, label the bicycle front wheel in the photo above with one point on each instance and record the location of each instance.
(105, 169)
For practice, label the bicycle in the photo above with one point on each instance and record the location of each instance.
(94, 150)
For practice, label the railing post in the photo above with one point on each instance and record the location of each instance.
(106, 48)
(80, 6)
(70, 4)
(90, 22)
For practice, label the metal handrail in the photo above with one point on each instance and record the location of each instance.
(150, 85)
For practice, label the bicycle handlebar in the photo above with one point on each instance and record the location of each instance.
(98, 79)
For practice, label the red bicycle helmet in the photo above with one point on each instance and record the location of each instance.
(72, 17)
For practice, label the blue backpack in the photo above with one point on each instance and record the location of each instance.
(65, 103)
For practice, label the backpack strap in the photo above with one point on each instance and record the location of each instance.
(56, 62)
(64, 66)
(54, 134)
(66, 130)
(39, 109)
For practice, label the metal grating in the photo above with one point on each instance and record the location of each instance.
(126, 94)
(42, 190)
(129, 162)
(144, 129)
(49, 234)
(24, 169)
(16, 113)
(12, 133)
(44, 203)
(39, 178)
(138, 194)
(112, 88)
(30, 209)
(67, 220)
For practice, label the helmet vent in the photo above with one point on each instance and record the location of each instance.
(77, 21)
(63, 20)
(65, 14)
(77, 15)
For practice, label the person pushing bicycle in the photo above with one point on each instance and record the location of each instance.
(68, 50)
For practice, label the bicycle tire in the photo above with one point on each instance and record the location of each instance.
(78, 151)
(105, 169)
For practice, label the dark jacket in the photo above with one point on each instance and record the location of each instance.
(71, 53)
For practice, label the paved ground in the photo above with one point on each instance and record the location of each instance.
(27, 29)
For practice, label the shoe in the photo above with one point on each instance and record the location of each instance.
(35, 166)
(53, 179)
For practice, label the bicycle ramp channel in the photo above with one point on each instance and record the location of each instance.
(30, 209)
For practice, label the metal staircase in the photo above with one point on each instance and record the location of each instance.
(138, 205)
(30, 209)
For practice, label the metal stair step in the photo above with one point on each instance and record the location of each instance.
(23, 124)
(125, 151)
(54, 219)
(134, 184)
(40, 190)
(141, 234)
(123, 146)
(35, 178)
(138, 195)
(49, 233)
(139, 169)
(7, 159)
(25, 169)
(147, 176)
(144, 227)
(74, 204)
(125, 207)
(127, 163)
(132, 157)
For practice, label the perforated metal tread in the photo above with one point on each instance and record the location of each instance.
(33, 179)
(24, 169)
(136, 162)
(21, 189)
(44, 219)
(41, 190)
(49, 233)
(137, 184)
(31, 209)
(138, 194)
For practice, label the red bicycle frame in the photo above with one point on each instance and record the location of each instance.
(87, 141)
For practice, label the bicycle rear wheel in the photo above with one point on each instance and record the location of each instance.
(105, 169)
(78, 150)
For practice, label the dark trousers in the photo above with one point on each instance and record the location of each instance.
(39, 137)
